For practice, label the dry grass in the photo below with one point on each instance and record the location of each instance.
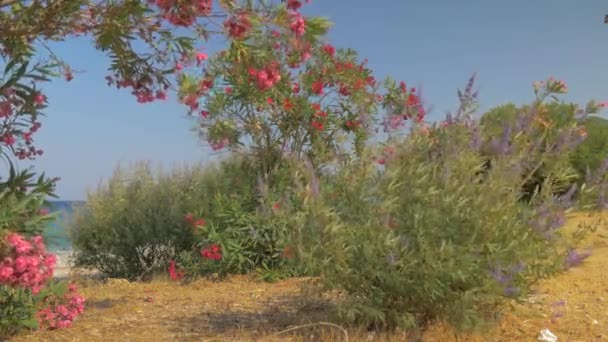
(242, 309)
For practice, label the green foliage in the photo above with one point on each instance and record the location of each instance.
(246, 224)
(594, 150)
(133, 225)
(433, 234)
(17, 311)
(250, 240)
(588, 155)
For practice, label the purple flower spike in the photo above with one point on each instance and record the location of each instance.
(575, 258)
(501, 276)
(512, 291)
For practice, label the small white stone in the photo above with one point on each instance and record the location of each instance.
(547, 336)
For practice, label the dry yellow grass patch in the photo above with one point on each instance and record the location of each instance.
(242, 309)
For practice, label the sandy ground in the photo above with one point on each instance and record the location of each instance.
(573, 306)
(63, 267)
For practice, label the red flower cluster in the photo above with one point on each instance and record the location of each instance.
(219, 144)
(353, 124)
(184, 12)
(191, 100)
(59, 315)
(317, 87)
(294, 4)
(27, 265)
(297, 25)
(266, 78)
(319, 117)
(214, 252)
(189, 217)
(287, 105)
(238, 26)
(406, 105)
(317, 125)
(329, 49)
(173, 273)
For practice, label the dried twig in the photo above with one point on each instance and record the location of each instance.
(312, 325)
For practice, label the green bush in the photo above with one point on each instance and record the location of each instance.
(136, 223)
(248, 228)
(594, 150)
(430, 234)
(588, 155)
(133, 225)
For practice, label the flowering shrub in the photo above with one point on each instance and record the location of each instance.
(117, 28)
(420, 229)
(173, 273)
(214, 252)
(134, 225)
(238, 240)
(59, 305)
(27, 264)
(280, 87)
(585, 145)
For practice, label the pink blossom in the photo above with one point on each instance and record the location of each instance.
(21, 264)
(38, 241)
(201, 56)
(297, 25)
(5, 273)
(267, 77)
(294, 4)
(50, 260)
(218, 145)
(39, 99)
(27, 265)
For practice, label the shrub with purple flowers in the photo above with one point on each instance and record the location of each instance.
(434, 226)
(579, 151)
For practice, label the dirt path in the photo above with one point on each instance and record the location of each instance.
(574, 306)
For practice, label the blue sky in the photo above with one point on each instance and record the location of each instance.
(90, 128)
